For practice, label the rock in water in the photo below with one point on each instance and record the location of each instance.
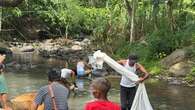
(24, 102)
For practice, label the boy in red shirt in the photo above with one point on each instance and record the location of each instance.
(99, 89)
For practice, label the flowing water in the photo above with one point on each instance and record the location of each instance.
(29, 74)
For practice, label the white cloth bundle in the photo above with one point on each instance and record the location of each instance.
(141, 101)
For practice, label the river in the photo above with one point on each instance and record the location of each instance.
(29, 74)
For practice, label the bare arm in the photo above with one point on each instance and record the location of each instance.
(2, 58)
(34, 106)
(143, 70)
(73, 76)
(122, 62)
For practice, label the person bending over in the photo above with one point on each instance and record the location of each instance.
(128, 87)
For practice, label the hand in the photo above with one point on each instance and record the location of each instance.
(72, 87)
(140, 80)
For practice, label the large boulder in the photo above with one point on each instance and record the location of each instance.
(175, 57)
(24, 102)
(27, 49)
(4, 48)
(180, 69)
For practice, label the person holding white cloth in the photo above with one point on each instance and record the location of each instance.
(127, 86)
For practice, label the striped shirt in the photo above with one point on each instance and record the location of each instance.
(60, 93)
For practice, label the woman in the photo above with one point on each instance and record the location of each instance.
(3, 85)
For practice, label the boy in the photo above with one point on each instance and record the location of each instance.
(99, 89)
(81, 68)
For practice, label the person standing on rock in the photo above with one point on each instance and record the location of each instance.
(128, 87)
(3, 85)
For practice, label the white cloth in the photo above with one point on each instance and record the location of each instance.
(65, 73)
(141, 101)
(126, 82)
(116, 66)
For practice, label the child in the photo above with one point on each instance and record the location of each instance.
(99, 89)
(81, 69)
(3, 85)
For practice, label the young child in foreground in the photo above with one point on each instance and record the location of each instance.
(99, 89)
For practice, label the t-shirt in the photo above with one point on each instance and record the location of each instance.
(60, 94)
(80, 69)
(101, 105)
(65, 73)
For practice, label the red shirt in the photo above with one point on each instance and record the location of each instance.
(102, 105)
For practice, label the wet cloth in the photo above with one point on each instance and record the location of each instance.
(141, 100)
(60, 94)
(101, 105)
(3, 84)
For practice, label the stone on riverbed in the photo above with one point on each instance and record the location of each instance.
(24, 102)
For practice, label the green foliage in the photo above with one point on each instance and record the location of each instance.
(190, 78)
(193, 71)
(153, 67)
(137, 48)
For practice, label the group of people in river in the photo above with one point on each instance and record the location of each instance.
(54, 95)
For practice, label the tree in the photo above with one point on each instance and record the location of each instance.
(8, 3)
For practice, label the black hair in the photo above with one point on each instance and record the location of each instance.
(133, 57)
(54, 74)
(2, 66)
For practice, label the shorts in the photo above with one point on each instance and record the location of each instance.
(3, 85)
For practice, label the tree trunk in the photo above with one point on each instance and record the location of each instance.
(170, 14)
(0, 18)
(129, 9)
(132, 22)
(10, 3)
(155, 11)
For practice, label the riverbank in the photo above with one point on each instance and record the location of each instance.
(72, 50)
